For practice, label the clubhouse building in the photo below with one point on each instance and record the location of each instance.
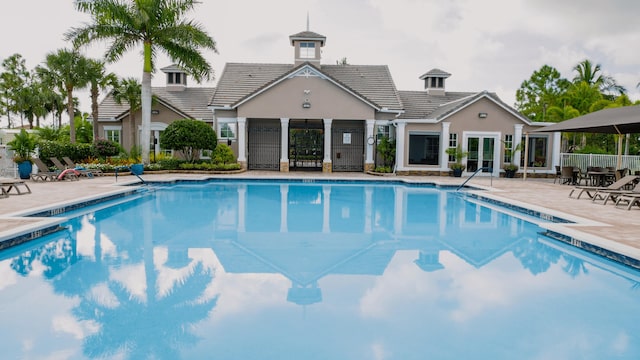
(312, 116)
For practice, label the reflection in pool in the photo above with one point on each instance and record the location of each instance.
(266, 270)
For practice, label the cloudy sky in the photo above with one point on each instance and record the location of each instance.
(486, 45)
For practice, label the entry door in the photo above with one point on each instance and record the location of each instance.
(482, 153)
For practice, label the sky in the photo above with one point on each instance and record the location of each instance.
(491, 45)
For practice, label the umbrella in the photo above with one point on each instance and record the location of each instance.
(620, 120)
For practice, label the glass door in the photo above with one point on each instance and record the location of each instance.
(481, 153)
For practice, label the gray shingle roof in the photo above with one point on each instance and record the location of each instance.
(308, 35)
(421, 105)
(372, 82)
(435, 73)
(192, 101)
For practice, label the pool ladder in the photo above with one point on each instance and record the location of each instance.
(490, 170)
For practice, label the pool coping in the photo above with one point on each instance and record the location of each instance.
(37, 221)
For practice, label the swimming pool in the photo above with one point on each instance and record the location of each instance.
(318, 270)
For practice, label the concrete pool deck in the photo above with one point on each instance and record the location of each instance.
(616, 229)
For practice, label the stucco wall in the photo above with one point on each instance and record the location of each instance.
(325, 98)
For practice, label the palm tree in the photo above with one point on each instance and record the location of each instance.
(157, 25)
(68, 70)
(592, 75)
(99, 79)
(129, 90)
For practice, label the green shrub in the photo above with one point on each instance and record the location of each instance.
(77, 152)
(103, 148)
(170, 163)
(189, 137)
(223, 154)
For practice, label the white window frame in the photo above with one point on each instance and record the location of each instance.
(232, 123)
(307, 50)
(113, 128)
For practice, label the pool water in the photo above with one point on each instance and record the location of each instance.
(289, 270)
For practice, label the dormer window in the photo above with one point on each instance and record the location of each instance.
(176, 79)
(307, 50)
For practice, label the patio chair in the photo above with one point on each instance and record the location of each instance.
(613, 195)
(566, 175)
(629, 200)
(47, 175)
(591, 190)
(84, 172)
(20, 187)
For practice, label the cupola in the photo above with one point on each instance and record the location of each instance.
(176, 77)
(307, 46)
(434, 81)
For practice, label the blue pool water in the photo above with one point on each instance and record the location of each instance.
(266, 270)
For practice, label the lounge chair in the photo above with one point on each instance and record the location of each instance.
(3, 193)
(613, 195)
(10, 186)
(84, 172)
(591, 190)
(629, 200)
(44, 174)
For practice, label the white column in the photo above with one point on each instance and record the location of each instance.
(369, 144)
(555, 153)
(242, 139)
(444, 157)
(398, 214)
(517, 139)
(327, 140)
(284, 202)
(284, 142)
(400, 140)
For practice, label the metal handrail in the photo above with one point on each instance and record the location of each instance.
(490, 170)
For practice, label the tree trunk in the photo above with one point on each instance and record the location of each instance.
(72, 125)
(146, 117)
(94, 111)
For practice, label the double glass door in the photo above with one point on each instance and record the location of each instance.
(481, 153)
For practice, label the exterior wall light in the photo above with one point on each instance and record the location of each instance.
(306, 105)
(482, 115)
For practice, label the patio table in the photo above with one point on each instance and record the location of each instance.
(601, 178)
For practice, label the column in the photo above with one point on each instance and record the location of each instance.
(517, 139)
(326, 162)
(242, 202)
(444, 157)
(400, 145)
(284, 144)
(369, 138)
(242, 142)
(555, 152)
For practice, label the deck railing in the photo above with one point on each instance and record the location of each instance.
(632, 162)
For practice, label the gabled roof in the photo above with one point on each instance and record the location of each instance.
(172, 68)
(372, 83)
(421, 105)
(190, 102)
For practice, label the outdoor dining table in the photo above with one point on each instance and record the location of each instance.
(601, 178)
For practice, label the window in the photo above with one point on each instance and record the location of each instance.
(227, 130)
(383, 131)
(307, 50)
(424, 149)
(112, 133)
(537, 151)
(437, 82)
(508, 148)
(453, 143)
(176, 78)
